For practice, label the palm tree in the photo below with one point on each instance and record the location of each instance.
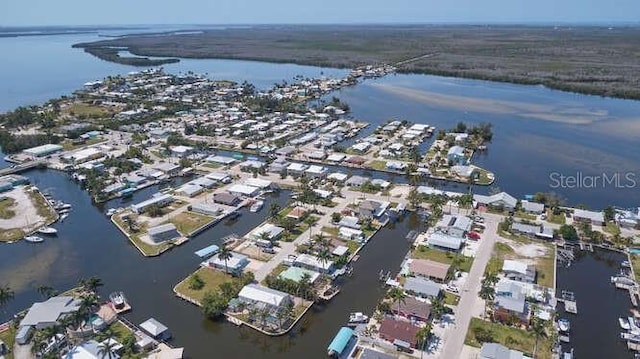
(539, 331)
(105, 349)
(264, 236)
(398, 296)
(487, 293)
(264, 314)
(465, 201)
(225, 254)
(437, 307)
(274, 211)
(6, 295)
(46, 291)
(422, 336)
(490, 279)
(304, 286)
(91, 284)
(324, 256)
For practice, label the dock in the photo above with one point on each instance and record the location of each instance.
(570, 305)
(586, 247)
(563, 338)
(633, 295)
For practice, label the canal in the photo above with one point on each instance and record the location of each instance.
(88, 244)
(595, 332)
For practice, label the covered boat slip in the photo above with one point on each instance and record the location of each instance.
(208, 251)
(342, 343)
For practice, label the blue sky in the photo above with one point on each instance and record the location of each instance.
(117, 12)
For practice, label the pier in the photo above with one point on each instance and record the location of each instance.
(569, 300)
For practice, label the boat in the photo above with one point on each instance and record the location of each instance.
(65, 206)
(564, 325)
(624, 324)
(65, 210)
(47, 230)
(34, 239)
(625, 264)
(568, 355)
(118, 300)
(634, 338)
(64, 216)
(257, 206)
(358, 318)
(111, 212)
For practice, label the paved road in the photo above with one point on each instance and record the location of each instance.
(454, 338)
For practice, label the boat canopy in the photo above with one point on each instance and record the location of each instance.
(341, 340)
(208, 251)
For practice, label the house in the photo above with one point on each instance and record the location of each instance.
(380, 183)
(532, 207)
(169, 169)
(444, 242)
(156, 200)
(396, 166)
(271, 231)
(455, 156)
(90, 349)
(296, 169)
(399, 332)
(285, 151)
(163, 232)
(336, 157)
(220, 160)
(525, 229)
(454, 225)
(361, 147)
(243, 190)
(368, 353)
(181, 151)
(582, 215)
(338, 177)
(356, 160)
(429, 269)
(190, 189)
(340, 251)
(421, 287)
(413, 309)
(502, 201)
(205, 209)
(341, 343)
(499, 351)
(464, 171)
(46, 314)
(226, 198)
(234, 265)
(252, 165)
(156, 329)
(297, 273)
(368, 208)
(510, 302)
(219, 176)
(519, 271)
(298, 213)
(313, 263)
(135, 180)
(203, 182)
(351, 234)
(350, 222)
(356, 181)
(255, 294)
(316, 171)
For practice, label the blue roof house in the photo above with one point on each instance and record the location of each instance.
(456, 156)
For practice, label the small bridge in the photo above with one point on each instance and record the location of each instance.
(21, 167)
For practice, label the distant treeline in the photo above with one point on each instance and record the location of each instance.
(11, 143)
(111, 54)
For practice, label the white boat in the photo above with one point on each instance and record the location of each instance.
(118, 300)
(34, 239)
(635, 338)
(625, 264)
(564, 325)
(111, 212)
(64, 216)
(624, 324)
(64, 211)
(358, 318)
(256, 206)
(65, 206)
(47, 230)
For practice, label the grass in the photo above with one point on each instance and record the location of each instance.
(545, 267)
(353, 246)
(451, 299)
(147, 249)
(423, 252)
(119, 330)
(11, 235)
(85, 110)
(42, 206)
(212, 279)
(377, 165)
(68, 145)
(611, 228)
(8, 337)
(484, 177)
(187, 222)
(635, 262)
(212, 165)
(6, 204)
(510, 337)
(331, 230)
(525, 215)
(557, 219)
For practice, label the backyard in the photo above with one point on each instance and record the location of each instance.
(187, 222)
(483, 331)
(211, 278)
(423, 252)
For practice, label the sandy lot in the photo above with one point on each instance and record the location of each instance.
(26, 214)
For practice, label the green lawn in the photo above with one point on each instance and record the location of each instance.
(557, 219)
(525, 215)
(513, 338)
(68, 145)
(119, 330)
(82, 109)
(544, 265)
(485, 177)
(451, 299)
(331, 230)
(11, 235)
(353, 246)
(187, 222)
(6, 208)
(377, 165)
(635, 261)
(8, 337)
(212, 279)
(423, 252)
(611, 228)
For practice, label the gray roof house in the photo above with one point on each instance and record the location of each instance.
(368, 208)
(46, 314)
(422, 287)
(356, 181)
(592, 217)
(519, 271)
(499, 200)
(444, 241)
(454, 225)
(526, 229)
(163, 232)
(532, 207)
(499, 351)
(226, 198)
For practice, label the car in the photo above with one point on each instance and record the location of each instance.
(543, 216)
(269, 250)
(452, 289)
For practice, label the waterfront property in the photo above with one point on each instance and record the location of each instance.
(157, 200)
(429, 269)
(341, 342)
(421, 287)
(233, 265)
(413, 309)
(264, 297)
(48, 313)
(163, 232)
(400, 333)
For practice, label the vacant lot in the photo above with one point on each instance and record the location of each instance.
(594, 60)
(212, 279)
(187, 222)
(482, 331)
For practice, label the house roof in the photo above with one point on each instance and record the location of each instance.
(525, 228)
(498, 351)
(341, 340)
(502, 198)
(50, 310)
(163, 228)
(429, 268)
(153, 327)
(295, 274)
(369, 205)
(257, 182)
(395, 329)
(236, 261)
(338, 176)
(273, 231)
(456, 150)
(356, 180)
(422, 286)
(313, 261)
(590, 215)
(368, 353)
(258, 293)
(414, 307)
(297, 212)
(444, 240)
(514, 302)
(225, 197)
(243, 189)
(532, 206)
(514, 266)
(88, 350)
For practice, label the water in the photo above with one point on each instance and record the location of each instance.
(89, 244)
(595, 332)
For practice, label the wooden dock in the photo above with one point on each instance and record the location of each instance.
(569, 300)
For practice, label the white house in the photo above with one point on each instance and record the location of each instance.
(256, 294)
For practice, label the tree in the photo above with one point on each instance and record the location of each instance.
(225, 254)
(46, 291)
(487, 293)
(539, 331)
(609, 213)
(465, 201)
(263, 314)
(91, 284)
(213, 305)
(324, 256)
(6, 295)
(398, 296)
(274, 211)
(227, 290)
(336, 217)
(423, 336)
(568, 232)
(437, 307)
(106, 348)
(414, 197)
(195, 282)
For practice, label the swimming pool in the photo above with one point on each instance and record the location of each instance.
(634, 250)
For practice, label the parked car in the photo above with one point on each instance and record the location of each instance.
(269, 250)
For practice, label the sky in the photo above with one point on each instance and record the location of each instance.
(131, 12)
